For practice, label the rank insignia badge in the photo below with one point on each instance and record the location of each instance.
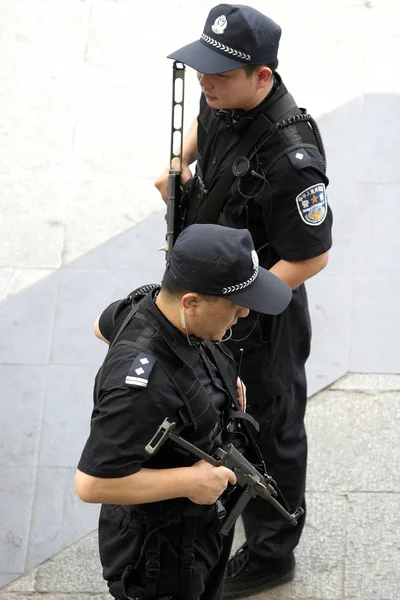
(312, 204)
(140, 370)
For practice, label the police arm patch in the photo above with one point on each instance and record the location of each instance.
(139, 372)
(312, 204)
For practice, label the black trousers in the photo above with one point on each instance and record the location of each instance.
(121, 543)
(283, 444)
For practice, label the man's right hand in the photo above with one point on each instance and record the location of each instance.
(161, 182)
(209, 482)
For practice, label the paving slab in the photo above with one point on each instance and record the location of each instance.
(16, 498)
(368, 383)
(66, 414)
(82, 561)
(31, 224)
(102, 208)
(36, 127)
(82, 296)
(26, 323)
(22, 411)
(14, 280)
(349, 549)
(27, 583)
(329, 361)
(342, 151)
(58, 516)
(136, 250)
(374, 339)
(379, 166)
(353, 442)
(372, 547)
(31, 29)
(319, 557)
(374, 201)
(56, 596)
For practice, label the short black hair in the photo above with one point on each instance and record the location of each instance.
(172, 289)
(249, 69)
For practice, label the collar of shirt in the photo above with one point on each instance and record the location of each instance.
(149, 306)
(241, 117)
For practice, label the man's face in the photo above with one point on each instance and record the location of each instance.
(211, 320)
(230, 90)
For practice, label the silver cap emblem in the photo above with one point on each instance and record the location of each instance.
(220, 24)
(254, 258)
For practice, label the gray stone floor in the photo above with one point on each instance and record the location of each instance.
(350, 546)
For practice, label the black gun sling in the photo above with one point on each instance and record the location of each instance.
(266, 124)
(210, 210)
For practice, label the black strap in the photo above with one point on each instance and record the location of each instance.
(210, 210)
(187, 555)
(223, 370)
(244, 416)
(228, 380)
(125, 322)
(265, 123)
(153, 566)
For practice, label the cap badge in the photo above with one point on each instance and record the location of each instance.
(254, 258)
(220, 24)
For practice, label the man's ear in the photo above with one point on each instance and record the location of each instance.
(190, 300)
(264, 76)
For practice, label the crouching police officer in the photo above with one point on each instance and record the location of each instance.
(160, 515)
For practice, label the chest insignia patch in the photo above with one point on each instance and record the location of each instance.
(312, 204)
(220, 24)
(140, 370)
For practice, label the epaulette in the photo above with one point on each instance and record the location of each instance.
(139, 372)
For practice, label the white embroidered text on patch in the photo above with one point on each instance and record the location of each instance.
(312, 204)
(299, 155)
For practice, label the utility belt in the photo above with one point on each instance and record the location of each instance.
(180, 510)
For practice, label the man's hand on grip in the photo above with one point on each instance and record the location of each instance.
(161, 183)
(209, 482)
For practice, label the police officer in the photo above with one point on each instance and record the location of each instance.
(261, 165)
(159, 521)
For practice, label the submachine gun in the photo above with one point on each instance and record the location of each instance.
(174, 216)
(248, 477)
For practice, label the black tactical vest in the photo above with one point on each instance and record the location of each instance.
(127, 552)
(285, 126)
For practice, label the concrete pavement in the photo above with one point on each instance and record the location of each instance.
(350, 549)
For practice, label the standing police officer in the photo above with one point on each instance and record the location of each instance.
(159, 523)
(261, 165)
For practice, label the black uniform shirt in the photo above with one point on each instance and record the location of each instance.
(275, 212)
(125, 418)
(270, 210)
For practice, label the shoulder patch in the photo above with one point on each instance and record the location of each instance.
(312, 204)
(139, 373)
(302, 158)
